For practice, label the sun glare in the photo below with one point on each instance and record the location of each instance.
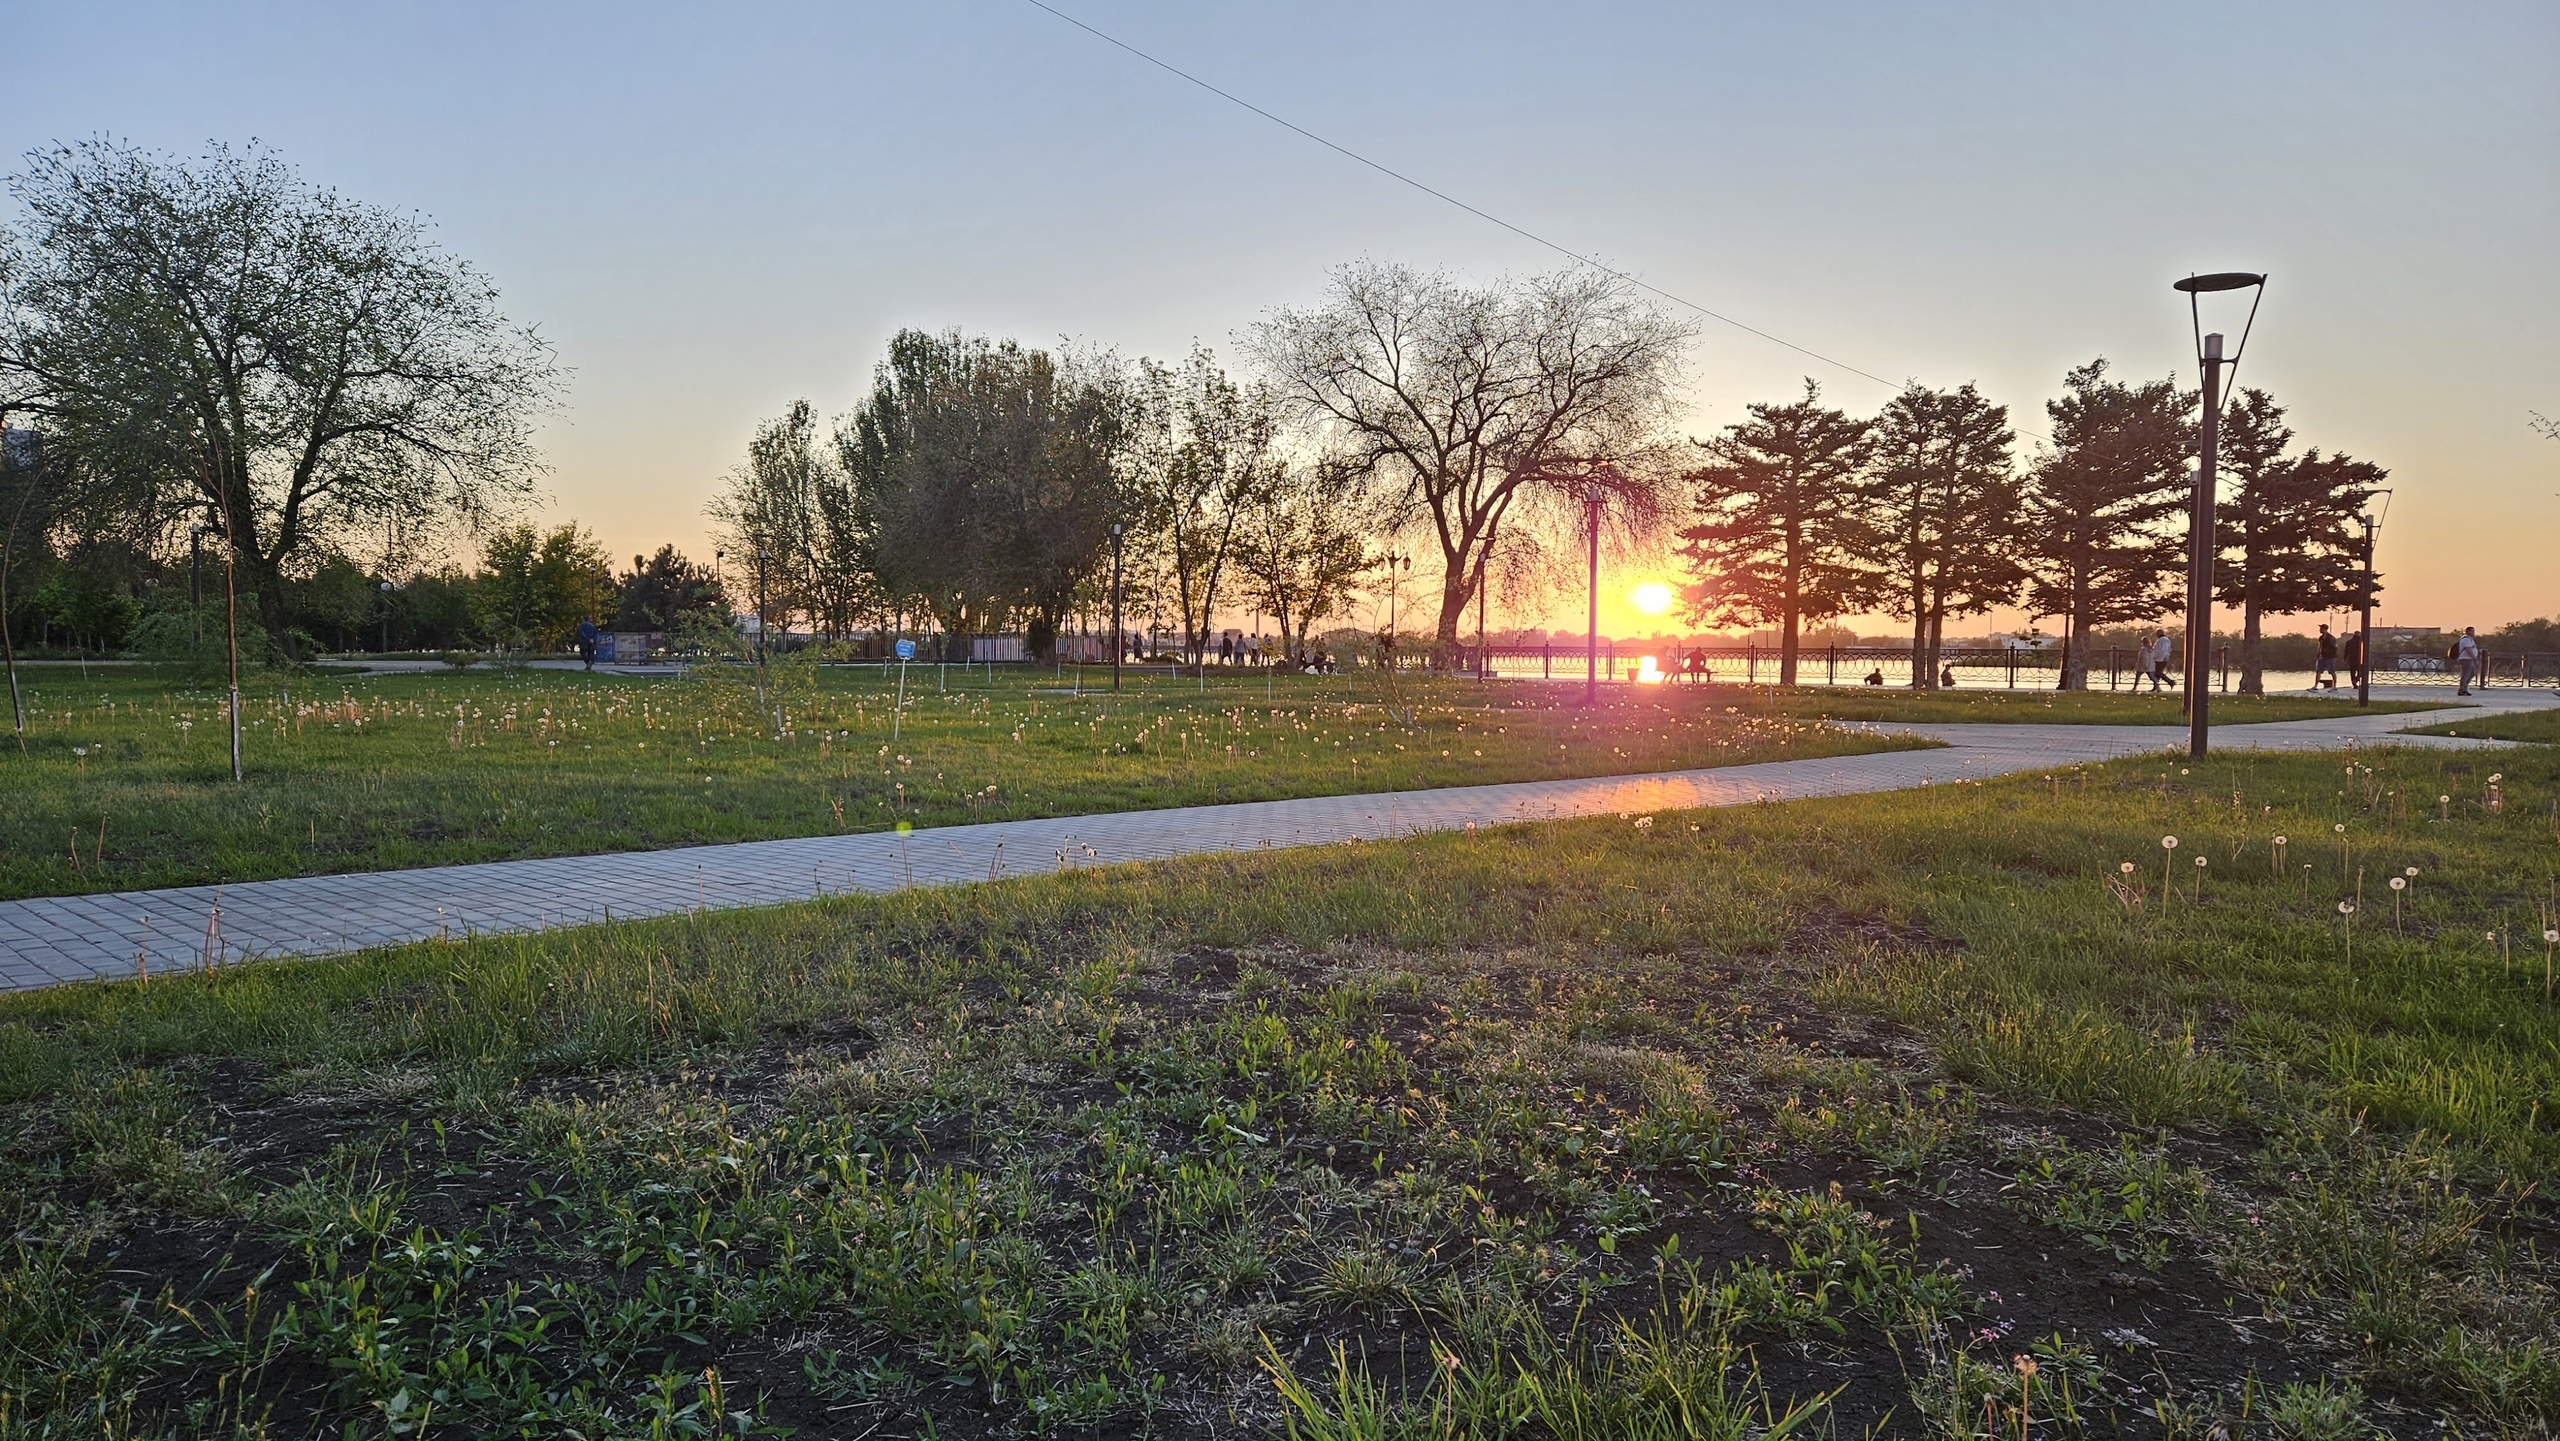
(1652, 597)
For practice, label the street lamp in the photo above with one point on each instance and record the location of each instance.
(1591, 660)
(2200, 549)
(1396, 564)
(762, 555)
(386, 619)
(2364, 609)
(1119, 642)
(195, 578)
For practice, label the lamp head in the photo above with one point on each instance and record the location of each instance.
(2219, 280)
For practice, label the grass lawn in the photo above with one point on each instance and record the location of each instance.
(124, 781)
(2532, 725)
(2097, 707)
(1902, 1115)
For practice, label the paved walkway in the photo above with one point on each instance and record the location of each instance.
(55, 940)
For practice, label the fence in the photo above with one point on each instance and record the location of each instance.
(1973, 667)
(1970, 668)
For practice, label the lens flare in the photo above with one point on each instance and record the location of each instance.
(1652, 597)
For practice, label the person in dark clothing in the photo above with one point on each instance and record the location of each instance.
(1876, 676)
(2353, 652)
(1946, 677)
(588, 635)
(2325, 673)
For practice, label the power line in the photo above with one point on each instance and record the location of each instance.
(1442, 195)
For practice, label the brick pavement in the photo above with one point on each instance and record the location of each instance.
(55, 940)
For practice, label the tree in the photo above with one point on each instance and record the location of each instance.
(1468, 404)
(983, 478)
(533, 589)
(2289, 531)
(2099, 503)
(279, 358)
(1202, 448)
(770, 514)
(1777, 535)
(661, 590)
(1303, 545)
(1943, 502)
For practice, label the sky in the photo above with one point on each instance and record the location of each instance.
(713, 211)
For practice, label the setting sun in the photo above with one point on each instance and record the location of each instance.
(1652, 597)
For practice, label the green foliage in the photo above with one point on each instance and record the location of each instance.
(533, 589)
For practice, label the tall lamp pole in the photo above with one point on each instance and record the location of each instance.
(386, 619)
(2364, 608)
(1119, 642)
(2200, 546)
(1591, 658)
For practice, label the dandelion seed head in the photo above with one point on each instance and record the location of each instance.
(2346, 908)
(2168, 843)
(2126, 867)
(2399, 883)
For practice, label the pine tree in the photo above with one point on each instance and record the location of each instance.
(2290, 527)
(1943, 504)
(1779, 525)
(2101, 543)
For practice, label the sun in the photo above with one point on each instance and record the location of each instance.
(1652, 597)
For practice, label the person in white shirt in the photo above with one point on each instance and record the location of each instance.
(2156, 658)
(2466, 653)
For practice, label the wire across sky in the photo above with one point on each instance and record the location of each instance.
(1441, 195)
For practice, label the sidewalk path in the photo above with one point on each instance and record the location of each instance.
(54, 940)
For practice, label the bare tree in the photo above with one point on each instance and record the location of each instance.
(770, 514)
(298, 362)
(1304, 544)
(1466, 404)
(1202, 447)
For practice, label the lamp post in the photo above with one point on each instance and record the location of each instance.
(1396, 565)
(195, 578)
(762, 555)
(1591, 660)
(1119, 642)
(2364, 607)
(2200, 547)
(386, 619)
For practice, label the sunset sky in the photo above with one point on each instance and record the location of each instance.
(712, 211)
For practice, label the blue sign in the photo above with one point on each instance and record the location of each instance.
(906, 650)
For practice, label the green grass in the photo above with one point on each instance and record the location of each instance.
(2534, 725)
(2098, 707)
(1821, 1117)
(124, 780)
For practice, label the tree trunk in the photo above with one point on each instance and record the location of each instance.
(271, 610)
(1789, 622)
(1455, 596)
(1923, 675)
(1937, 638)
(2253, 675)
(2075, 646)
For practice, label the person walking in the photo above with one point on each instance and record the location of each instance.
(2325, 671)
(2353, 651)
(587, 637)
(2156, 659)
(2466, 655)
